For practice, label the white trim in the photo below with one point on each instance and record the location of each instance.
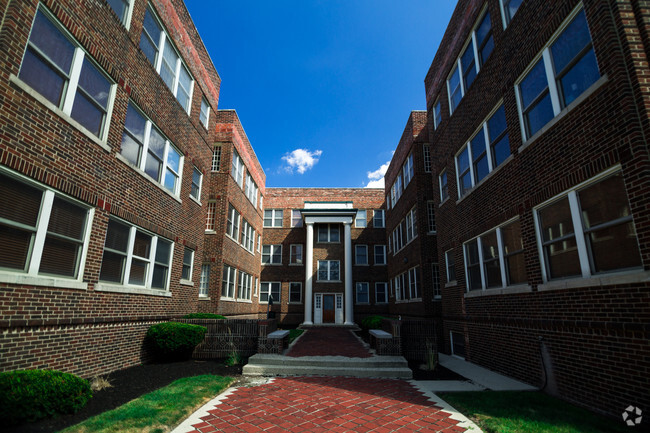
(119, 288)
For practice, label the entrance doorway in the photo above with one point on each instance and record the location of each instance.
(328, 309)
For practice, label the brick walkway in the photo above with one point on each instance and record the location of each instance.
(329, 342)
(327, 404)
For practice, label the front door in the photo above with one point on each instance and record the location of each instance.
(328, 309)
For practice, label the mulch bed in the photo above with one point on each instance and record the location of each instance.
(127, 385)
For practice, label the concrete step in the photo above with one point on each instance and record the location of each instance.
(330, 361)
(305, 370)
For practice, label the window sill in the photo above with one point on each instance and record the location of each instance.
(520, 288)
(408, 301)
(186, 283)
(380, 264)
(486, 178)
(244, 301)
(143, 174)
(437, 298)
(328, 281)
(296, 264)
(30, 280)
(195, 200)
(444, 201)
(210, 232)
(271, 264)
(593, 88)
(34, 94)
(432, 233)
(361, 264)
(362, 303)
(294, 303)
(227, 299)
(117, 288)
(453, 283)
(629, 277)
(204, 298)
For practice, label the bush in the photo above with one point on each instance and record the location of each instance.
(203, 316)
(173, 340)
(29, 395)
(372, 322)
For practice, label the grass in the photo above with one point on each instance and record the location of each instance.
(159, 411)
(530, 412)
(295, 333)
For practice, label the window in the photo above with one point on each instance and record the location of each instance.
(122, 9)
(188, 264)
(567, 67)
(407, 170)
(144, 146)
(444, 188)
(328, 233)
(61, 71)
(508, 10)
(135, 257)
(361, 254)
(398, 237)
(437, 115)
(251, 189)
(210, 216)
(479, 46)
(295, 293)
(380, 254)
(41, 232)
(457, 343)
(414, 283)
(271, 254)
(381, 293)
(485, 151)
(361, 220)
(259, 243)
(244, 288)
(296, 254)
(269, 290)
(216, 158)
(169, 65)
(273, 218)
(451, 266)
(379, 219)
(401, 286)
(232, 224)
(328, 270)
(261, 204)
(247, 236)
(204, 115)
(195, 190)
(296, 218)
(496, 258)
(426, 154)
(363, 294)
(205, 281)
(431, 213)
(237, 170)
(396, 190)
(387, 201)
(435, 281)
(411, 226)
(228, 282)
(582, 235)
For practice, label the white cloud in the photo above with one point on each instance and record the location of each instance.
(301, 160)
(376, 178)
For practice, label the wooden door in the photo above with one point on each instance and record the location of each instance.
(328, 309)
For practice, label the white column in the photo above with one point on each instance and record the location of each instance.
(309, 272)
(349, 298)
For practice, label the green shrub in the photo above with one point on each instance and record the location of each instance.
(203, 316)
(173, 340)
(372, 322)
(29, 395)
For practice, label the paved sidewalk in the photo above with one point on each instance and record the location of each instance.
(483, 377)
(326, 404)
(329, 342)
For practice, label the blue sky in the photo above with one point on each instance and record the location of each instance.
(323, 87)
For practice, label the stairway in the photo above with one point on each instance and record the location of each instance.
(391, 367)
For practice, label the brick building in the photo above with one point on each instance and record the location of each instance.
(538, 118)
(324, 254)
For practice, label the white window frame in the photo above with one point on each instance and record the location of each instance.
(233, 221)
(449, 257)
(385, 299)
(191, 264)
(381, 248)
(505, 17)
(431, 214)
(437, 114)
(361, 219)
(269, 291)
(356, 255)
(379, 216)
(444, 186)
(251, 189)
(163, 42)
(361, 285)
(296, 218)
(204, 113)
(237, 168)
(426, 157)
(293, 257)
(216, 158)
(411, 226)
(211, 216)
(128, 12)
(204, 284)
(545, 56)
(273, 248)
(247, 236)
(276, 214)
(407, 170)
(244, 286)
(435, 281)
(329, 234)
(328, 264)
(228, 281)
(414, 291)
(292, 289)
(199, 186)
(71, 85)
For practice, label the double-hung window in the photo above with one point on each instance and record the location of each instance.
(328, 233)
(508, 10)
(363, 293)
(195, 189)
(444, 187)
(188, 264)
(268, 290)
(154, 41)
(437, 115)
(496, 258)
(296, 218)
(477, 49)
(273, 218)
(216, 158)
(361, 221)
(58, 69)
(435, 281)
(411, 226)
(580, 234)
(426, 156)
(295, 293)
(210, 216)
(329, 270)
(144, 146)
(41, 232)
(272, 254)
(123, 10)
(228, 282)
(295, 254)
(247, 236)
(204, 284)
(380, 254)
(237, 170)
(407, 170)
(232, 223)
(401, 286)
(251, 190)
(414, 283)
(564, 70)
(244, 287)
(135, 257)
(485, 151)
(431, 213)
(204, 114)
(450, 263)
(379, 221)
(381, 293)
(361, 254)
